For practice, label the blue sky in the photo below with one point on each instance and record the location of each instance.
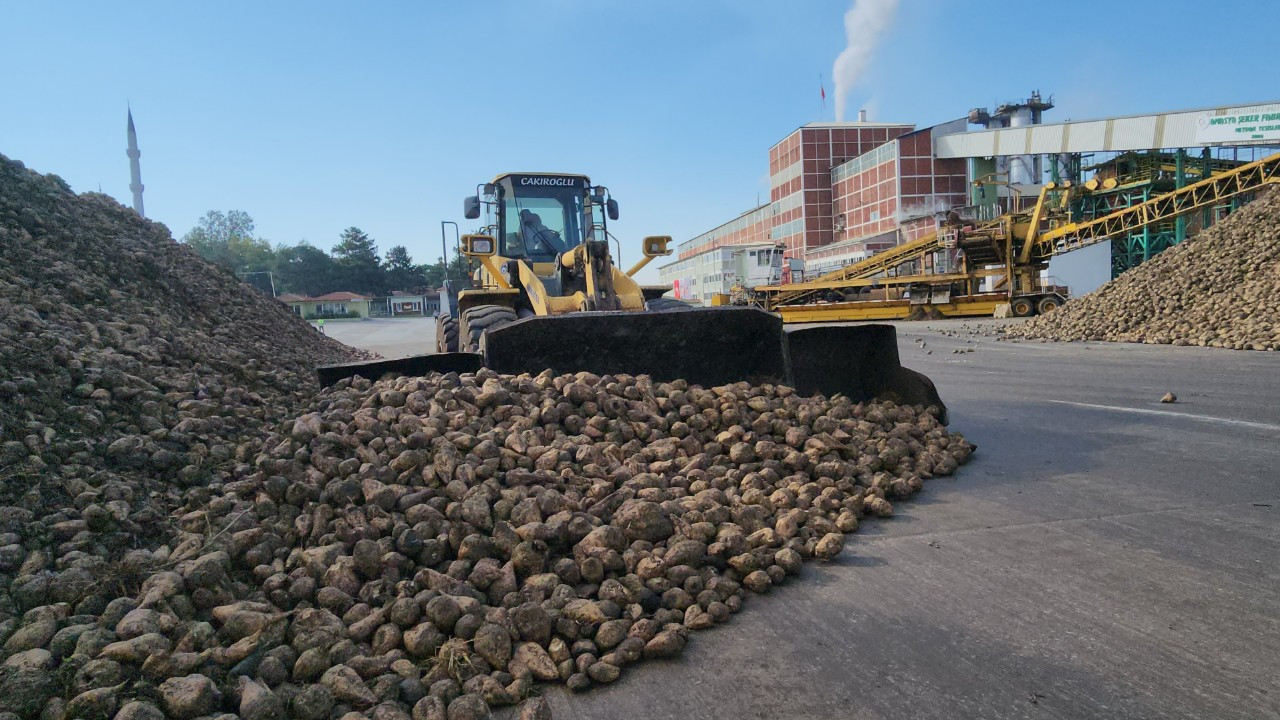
(316, 116)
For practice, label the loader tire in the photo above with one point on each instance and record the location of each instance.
(446, 333)
(666, 304)
(479, 319)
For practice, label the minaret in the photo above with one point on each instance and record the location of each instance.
(135, 170)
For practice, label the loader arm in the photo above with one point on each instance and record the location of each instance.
(602, 286)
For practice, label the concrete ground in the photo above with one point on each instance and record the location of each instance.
(1103, 556)
(389, 337)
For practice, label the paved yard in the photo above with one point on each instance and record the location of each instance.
(1104, 556)
(390, 337)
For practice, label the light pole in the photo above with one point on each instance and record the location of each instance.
(445, 296)
(270, 278)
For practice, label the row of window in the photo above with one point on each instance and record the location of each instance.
(786, 174)
(720, 259)
(865, 161)
(788, 229)
(790, 202)
(742, 222)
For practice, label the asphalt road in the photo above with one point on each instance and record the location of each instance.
(389, 337)
(1103, 556)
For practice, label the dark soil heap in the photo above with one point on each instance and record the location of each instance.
(1219, 289)
(130, 369)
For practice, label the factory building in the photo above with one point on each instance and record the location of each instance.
(890, 195)
(712, 262)
(838, 192)
(798, 219)
(842, 192)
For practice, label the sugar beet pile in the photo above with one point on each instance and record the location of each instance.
(412, 548)
(1219, 289)
(130, 369)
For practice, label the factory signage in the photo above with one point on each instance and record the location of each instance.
(1244, 127)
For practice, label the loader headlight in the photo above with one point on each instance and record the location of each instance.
(480, 245)
(656, 245)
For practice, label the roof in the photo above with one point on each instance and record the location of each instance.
(579, 176)
(291, 297)
(1176, 129)
(405, 293)
(845, 125)
(341, 295)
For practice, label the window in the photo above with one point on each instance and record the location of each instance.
(543, 216)
(762, 260)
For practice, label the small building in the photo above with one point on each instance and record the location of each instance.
(294, 301)
(334, 305)
(409, 303)
(402, 303)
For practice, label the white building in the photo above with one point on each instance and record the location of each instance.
(738, 252)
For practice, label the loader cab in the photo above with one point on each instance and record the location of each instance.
(539, 216)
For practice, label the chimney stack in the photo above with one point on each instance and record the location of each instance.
(862, 116)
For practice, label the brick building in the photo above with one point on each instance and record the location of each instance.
(837, 193)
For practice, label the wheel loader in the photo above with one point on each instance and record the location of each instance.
(546, 294)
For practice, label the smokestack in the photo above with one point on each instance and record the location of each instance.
(865, 22)
(862, 116)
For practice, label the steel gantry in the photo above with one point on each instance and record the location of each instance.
(1008, 253)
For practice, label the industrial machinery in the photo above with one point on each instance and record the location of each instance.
(998, 262)
(545, 294)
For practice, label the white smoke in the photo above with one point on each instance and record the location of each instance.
(922, 209)
(863, 25)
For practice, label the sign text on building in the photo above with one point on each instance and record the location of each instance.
(1247, 127)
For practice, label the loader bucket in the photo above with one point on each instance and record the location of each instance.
(860, 361)
(704, 347)
(714, 346)
(413, 365)
(708, 347)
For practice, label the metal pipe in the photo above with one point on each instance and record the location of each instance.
(636, 268)
(444, 248)
(1180, 181)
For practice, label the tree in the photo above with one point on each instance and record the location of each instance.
(358, 266)
(434, 275)
(355, 246)
(401, 273)
(227, 239)
(304, 269)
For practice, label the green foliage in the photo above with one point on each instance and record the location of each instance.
(354, 264)
(357, 257)
(398, 259)
(356, 247)
(433, 275)
(227, 239)
(400, 272)
(306, 270)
